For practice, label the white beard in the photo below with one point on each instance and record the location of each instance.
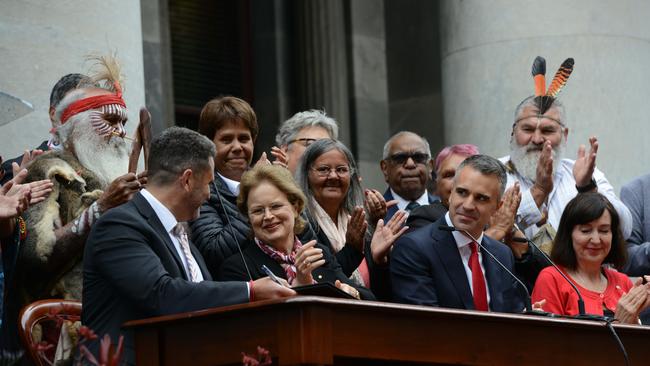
(525, 158)
(107, 157)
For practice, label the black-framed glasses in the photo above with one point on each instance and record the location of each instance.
(305, 141)
(401, 158)
(324, 170)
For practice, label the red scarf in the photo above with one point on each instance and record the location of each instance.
(287, 261)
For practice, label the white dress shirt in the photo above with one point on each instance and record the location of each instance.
(169, 221)
(564, 190)
(463, 242)
(233, 185)
(402, 203)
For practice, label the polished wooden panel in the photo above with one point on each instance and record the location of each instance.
(315, 330)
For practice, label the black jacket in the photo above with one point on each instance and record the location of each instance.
(233, 268)
(216, 238)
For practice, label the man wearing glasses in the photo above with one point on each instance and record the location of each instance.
(548, 182)
(299, 131)
(407, 166)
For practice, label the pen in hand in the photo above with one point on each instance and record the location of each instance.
(273, 277)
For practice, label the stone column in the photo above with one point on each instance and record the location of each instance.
(369, 90)
(487, 52)
(321, 60)
(156, 48)
(44, 40)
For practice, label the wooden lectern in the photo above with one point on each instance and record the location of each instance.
(325, 331)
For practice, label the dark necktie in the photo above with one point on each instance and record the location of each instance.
(412, 206)
(478, 280)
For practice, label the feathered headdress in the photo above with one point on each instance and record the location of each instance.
(544, 98)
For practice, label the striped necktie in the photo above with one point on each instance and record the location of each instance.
(181, 235)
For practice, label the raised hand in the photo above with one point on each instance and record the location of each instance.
(544, 175)
(308, 258)
(263, 160)
(376, 205)
(119, 191)
(39, 189)
(28, 156)
(357, 227)
(13, 200)
(583, 169)
(279, 157)
(503, 219)
(385, 235)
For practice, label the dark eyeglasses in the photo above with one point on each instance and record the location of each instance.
(303, 141)
(401, 158)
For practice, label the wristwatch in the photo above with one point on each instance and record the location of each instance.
(588, 188)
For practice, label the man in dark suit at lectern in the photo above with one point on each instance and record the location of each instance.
(138, 261)
(441, 264)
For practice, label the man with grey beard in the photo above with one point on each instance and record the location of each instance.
(89, 178)
(547, 180)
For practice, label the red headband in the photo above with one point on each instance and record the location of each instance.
(93, 103)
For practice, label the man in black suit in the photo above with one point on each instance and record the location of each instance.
(438, 267)
(138, 261)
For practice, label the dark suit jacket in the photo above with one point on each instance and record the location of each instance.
(426, 269)
(388, 196)
(233, 268)
(425, 215)
(132, 271)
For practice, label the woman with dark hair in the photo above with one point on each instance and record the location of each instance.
(329, 178)
(588, 239)
(231, 124)
(272, 201)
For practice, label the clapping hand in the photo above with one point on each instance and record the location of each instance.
(28, 156)
(583, 169)
(280, 157)
(357, 227)
(385, 236)
(632, 303)
(544, 175)
(308, 258)
(376, 205)
(503, 219)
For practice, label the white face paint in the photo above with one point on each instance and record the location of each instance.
(109, 120)
(105, 155)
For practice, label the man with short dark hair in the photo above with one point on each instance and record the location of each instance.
(406, 165)
(442, 265)
(138, 261)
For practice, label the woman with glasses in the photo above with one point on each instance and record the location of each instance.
(272, 201)
(329, 178)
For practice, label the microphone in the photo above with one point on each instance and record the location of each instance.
(232, 231)
(581, 303)
(529, 309)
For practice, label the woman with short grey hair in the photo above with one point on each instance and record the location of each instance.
(329, 177)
